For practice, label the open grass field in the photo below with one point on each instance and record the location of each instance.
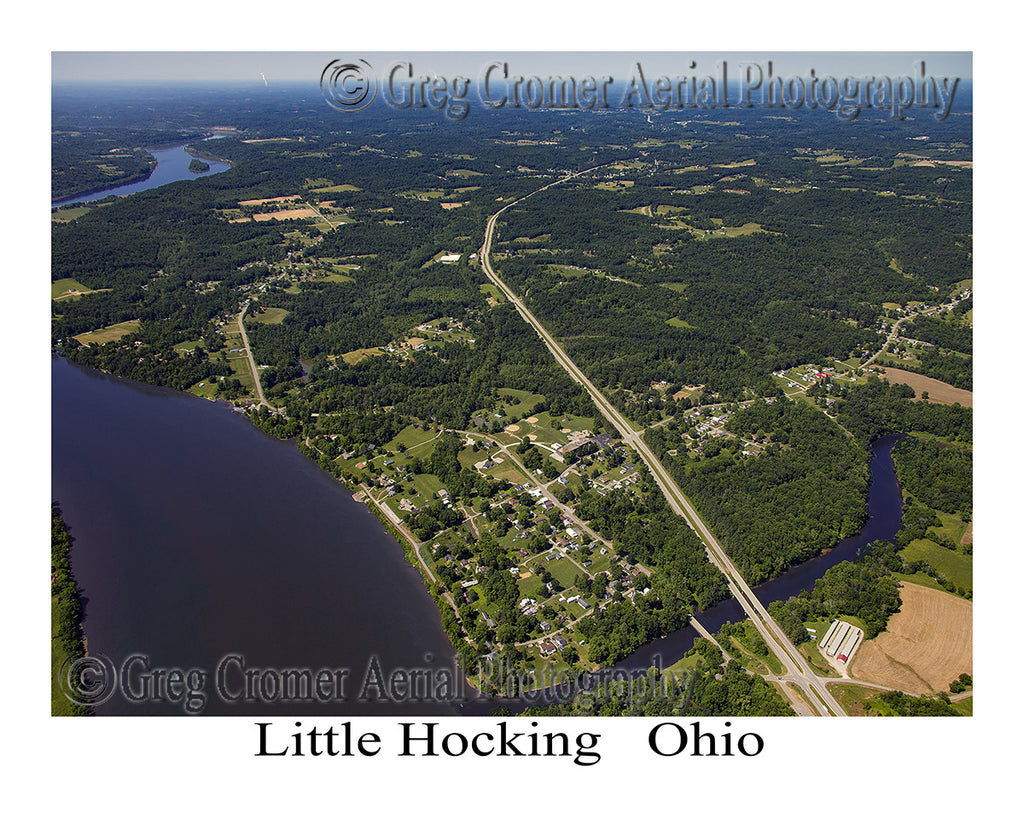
(410, 437)
(272, 315)
(68, 288)
(355, 356)
(564, 571)
(507, 471)
(954, 566)
(335, 276)
(519, 402)
(853, 697)
(336, 189)
(69, 214)
(743, 230)
(111, 333)
(938, 391)
(204, 389)
(927, 644)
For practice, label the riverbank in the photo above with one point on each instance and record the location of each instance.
(74, 197)
(67, 637)
(170, 164)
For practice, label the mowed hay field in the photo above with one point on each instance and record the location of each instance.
(928, 643)
(938, 391)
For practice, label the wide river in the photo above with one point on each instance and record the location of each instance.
(171, 166)
(199, 538)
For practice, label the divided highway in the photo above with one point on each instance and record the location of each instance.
(797, 669)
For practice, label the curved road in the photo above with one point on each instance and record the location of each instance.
(797, 668)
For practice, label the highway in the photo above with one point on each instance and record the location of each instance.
(797, 669)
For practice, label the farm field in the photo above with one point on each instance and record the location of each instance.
(927, 644)
(938, 391)
(111, 333)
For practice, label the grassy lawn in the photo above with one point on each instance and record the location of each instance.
(240, 369)
(518, 402)
(921, 579)
(853, 698)
(508, 471)
(62, 289)
(355, 356)
(335, 276)
(204, 389)
(427, 486)
(111, 333)
(564, 571)
(532, 587)
(492, 291)
(186, 346)
(815, 660)
(954, 566)
(410, 437)
(336, 189)
(272, 315)
(952, 527)
(69, 214)
(684, 665)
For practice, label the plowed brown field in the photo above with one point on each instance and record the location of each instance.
(927, 645)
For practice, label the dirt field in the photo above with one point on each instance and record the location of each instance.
(267, 201)
(512, 428)
(296, 213)
(938, 391)
(927, 645)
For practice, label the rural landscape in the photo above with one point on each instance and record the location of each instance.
(606, 377)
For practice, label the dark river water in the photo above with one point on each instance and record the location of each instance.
(203, 545)
(885, 512)
(172, 166)
(198, 537)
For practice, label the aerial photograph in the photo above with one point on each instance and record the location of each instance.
(441, 383)
(512, 414)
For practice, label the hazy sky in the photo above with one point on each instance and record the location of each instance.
(232, 66)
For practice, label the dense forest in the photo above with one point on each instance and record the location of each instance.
(938, 474)
(698, 256)
(864, 588)
(66, 609)
(804, 493)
